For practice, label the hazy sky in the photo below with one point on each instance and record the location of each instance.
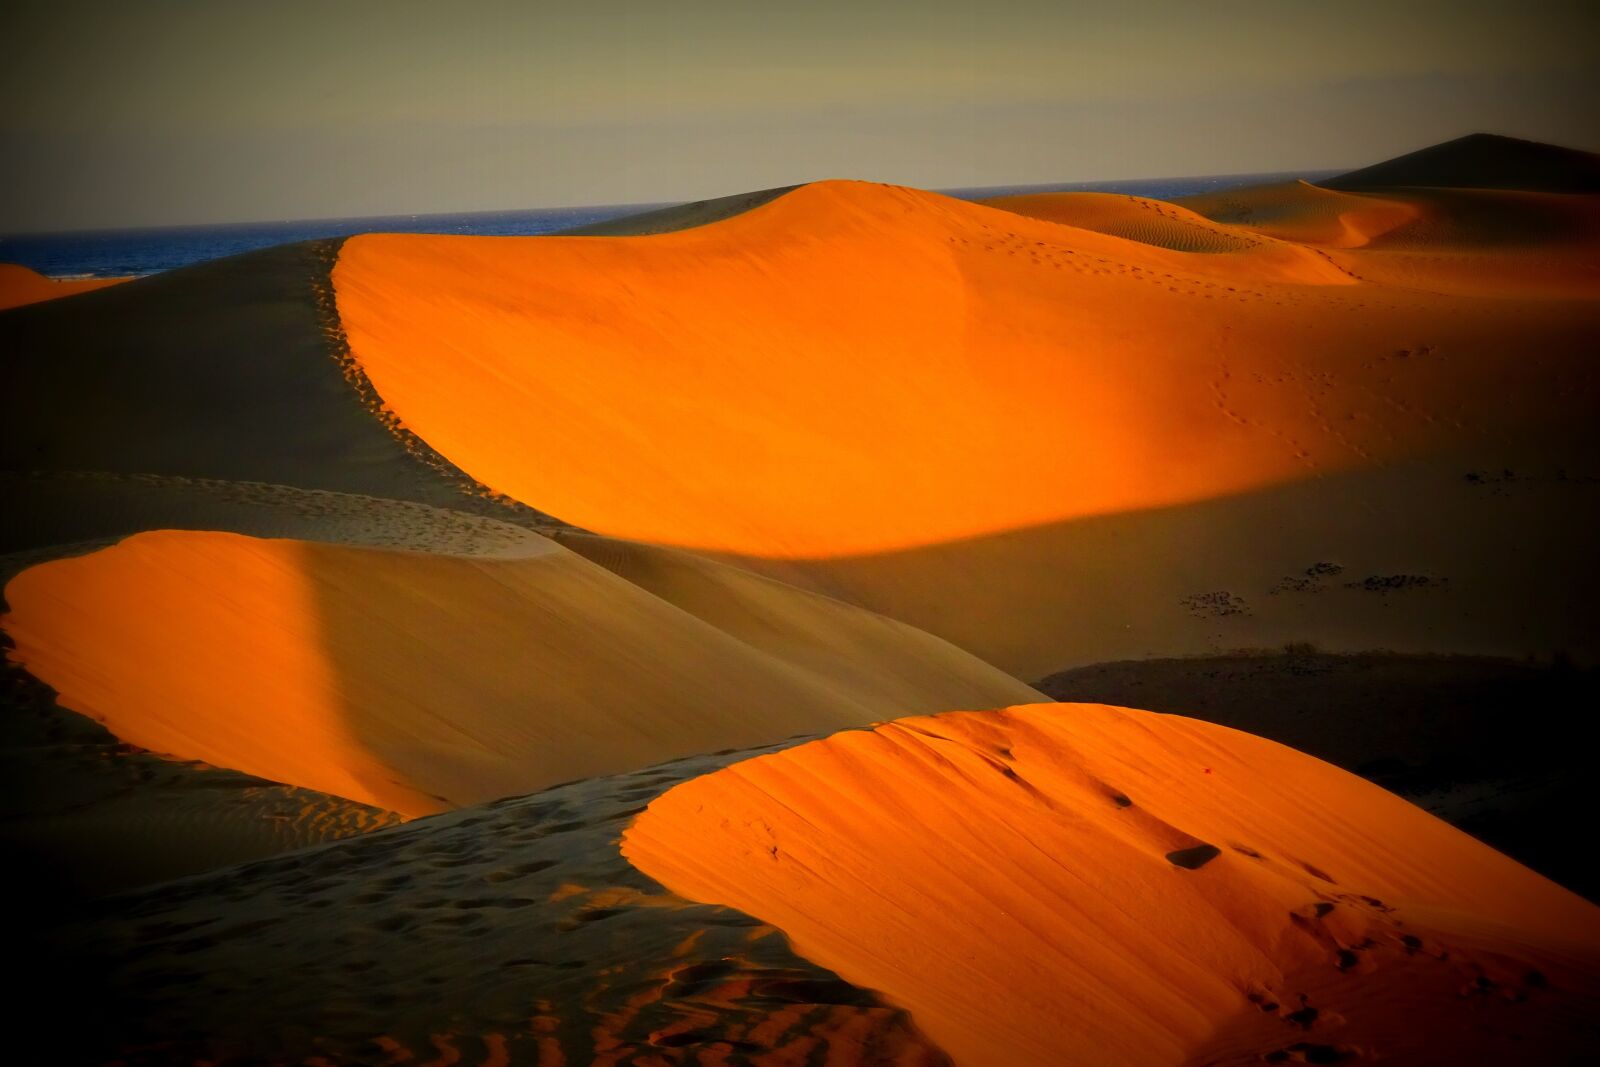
(149, 113)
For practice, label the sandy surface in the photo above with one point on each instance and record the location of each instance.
(1412, 724)
(944, 401)
(418, 682)
(1078, 884)
(20, 285)
(89, 814)
(229, 370)
(337, 536)
(511, 933)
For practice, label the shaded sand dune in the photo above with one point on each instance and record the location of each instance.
(1079, 884)
(230, 370)
(1482, 161)
(1303, 213)
(1484, 243)
(876, 392)
(677, 217)
(418, 682)
(510, 933)
(1454, 553)
(1137, 218)
(19, 285)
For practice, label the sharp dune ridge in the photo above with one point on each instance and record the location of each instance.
(382, 528)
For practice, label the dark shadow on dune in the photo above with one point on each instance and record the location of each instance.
(1488, 553)
(516, 929)
(678, 217)
(1431, 558)
(231, 370)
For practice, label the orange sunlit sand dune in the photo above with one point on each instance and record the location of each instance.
(855, 368)
(920, 404)
(568, 635)
(418, 682)
(19, 286)
(1077, 884)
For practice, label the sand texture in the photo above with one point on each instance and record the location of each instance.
(1412, 724)
(585, 649)
(921, 405)
(512, 933)
(1079, 884)
(418, 682)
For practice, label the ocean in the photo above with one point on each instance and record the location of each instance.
(118, 253)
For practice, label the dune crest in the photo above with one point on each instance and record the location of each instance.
(1079, 884)
(418, 682)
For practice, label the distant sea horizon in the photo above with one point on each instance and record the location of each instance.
(134, 252)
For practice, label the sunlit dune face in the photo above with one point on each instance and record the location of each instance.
(855, 369)
(1076, 884)
(19, 286)
(419, 682)
(149, 641)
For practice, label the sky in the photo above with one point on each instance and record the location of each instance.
(171, 112)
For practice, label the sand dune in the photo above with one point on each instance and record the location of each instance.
(1415, 725)
(20, 285)
(871, 392)
(405, 524)
(1302, 213)
(1479, 551)
(1137, 218)
(1071, 884)
(878, 660)
(1482, 161)
(419, 682)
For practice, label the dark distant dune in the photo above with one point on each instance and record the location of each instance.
(677, 217)
(1482, 161)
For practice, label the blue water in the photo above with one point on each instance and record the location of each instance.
(116, 253)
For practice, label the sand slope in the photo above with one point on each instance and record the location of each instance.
(1071, 884)
(509, 933)
(19, 285)
(417, 682)
(226, 370)
(878, 393)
